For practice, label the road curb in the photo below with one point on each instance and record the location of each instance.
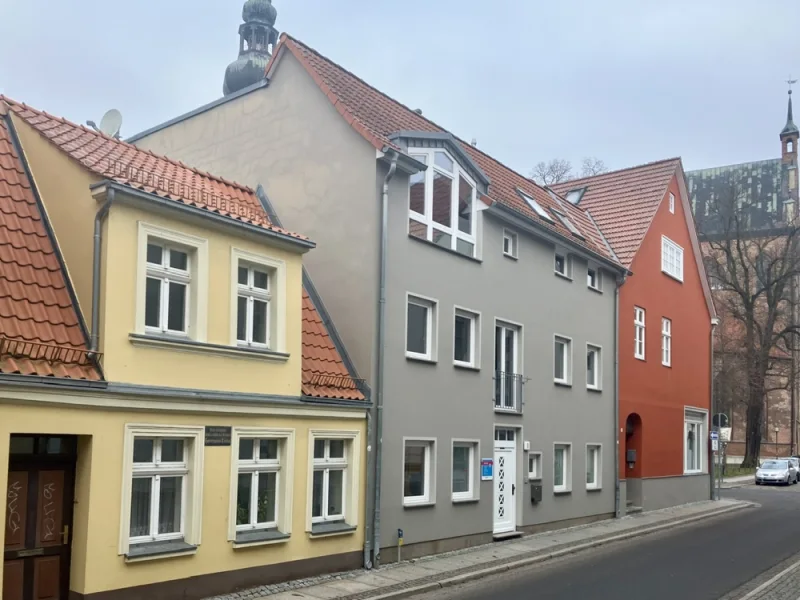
(543, 557)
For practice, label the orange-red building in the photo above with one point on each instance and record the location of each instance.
(665, 323)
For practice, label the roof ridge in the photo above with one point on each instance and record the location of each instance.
(618, 171)
(731, 166)
(5, 99)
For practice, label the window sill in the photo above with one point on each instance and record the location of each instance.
(566, 384)
(561, 492)
(186, 345)
(641, 358)
(422, 359)
(421, 504)
(596, 488)
(443, 249)
(330, 529)
(507, 411)
(669, 366)
(671, 276)
(466, 500)
(465, 366)
(511, 256)
(596, 390)
(259, 537)
(563, 276)
(157, 550)
(595, 290)
(695, 472)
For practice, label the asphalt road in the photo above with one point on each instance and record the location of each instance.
(694, 562)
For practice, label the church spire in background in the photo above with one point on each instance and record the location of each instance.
(790, 127)
(257, 38)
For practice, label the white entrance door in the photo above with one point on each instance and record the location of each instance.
(505, 481)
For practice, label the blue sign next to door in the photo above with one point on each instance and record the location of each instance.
(487, 469)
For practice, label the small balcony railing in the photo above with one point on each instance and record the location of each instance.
(508, 391)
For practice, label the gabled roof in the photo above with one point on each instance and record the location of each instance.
(40, 332)
(624, 202)
(36, 305)
(143, 170)
(376, 117)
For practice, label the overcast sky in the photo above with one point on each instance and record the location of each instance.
(628, 81)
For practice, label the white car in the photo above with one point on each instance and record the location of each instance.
(779, 470)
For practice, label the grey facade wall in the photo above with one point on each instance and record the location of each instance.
(663, 492)
(319, 174)
(441, 401)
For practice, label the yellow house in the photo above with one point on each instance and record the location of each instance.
(178, 417)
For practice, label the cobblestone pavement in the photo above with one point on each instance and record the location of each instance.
(781, 582)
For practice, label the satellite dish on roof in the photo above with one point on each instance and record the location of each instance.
(111, 123)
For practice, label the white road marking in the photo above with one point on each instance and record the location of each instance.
(766, 584)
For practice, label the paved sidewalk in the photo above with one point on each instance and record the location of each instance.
(782, 582)
(739, 481)
(443, 570)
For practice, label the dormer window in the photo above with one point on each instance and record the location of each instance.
(442, 201)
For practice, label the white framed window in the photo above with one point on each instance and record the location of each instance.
(442, 202)
(562, 264)
(562, 363)
(694, 440)
(638, 332)
(258, 301)
(594, 280)
(594, 466)
(463, 480)
(594, 367)
(536, 207)
(507, 361)
(418, 471)
(562, 468)
(568, 224)
(420, 327)
(172, 283)
(666, 342)
(672, 203)
(262, 466)
(333, 481)
(671, 258)
(534, 466)
(466, 338)
(510, 242)
(162, 485)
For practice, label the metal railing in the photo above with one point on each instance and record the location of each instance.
(508, 391)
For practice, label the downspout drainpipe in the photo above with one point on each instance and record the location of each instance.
(94, 340)
(367, 504)
(714, 488)
(381, 334)
(617, 507)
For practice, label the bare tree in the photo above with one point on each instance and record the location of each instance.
(754, 272)
(592, 165)
(555, 171)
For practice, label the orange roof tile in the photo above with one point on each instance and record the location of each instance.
(40, 333)
(624, 202)
(141, 169)
(376, 116)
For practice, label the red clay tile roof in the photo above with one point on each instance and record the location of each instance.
(324, 373)
(39, 329)
(376, 116)
(141, 169)
(624, 202)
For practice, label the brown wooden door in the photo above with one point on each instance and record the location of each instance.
(37, 539)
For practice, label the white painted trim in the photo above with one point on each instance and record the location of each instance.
(538, 454)
(666, 336)
(197, 321)
(286, 476)
(569, 362)
(637, 323)
(598, 366)
(666, 243)
(277, 272)
(567, 274)
(193, 501)
(598, 277)
(429, 498)
(352, 491)
(474, 493)
(598, 485)
(475, 337)
(568, 474)
(231, 351)
(105, 400)
(519, 364)
(700, 415)
(514, 238)
(432, 327)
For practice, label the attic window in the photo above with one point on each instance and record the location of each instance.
(536, 207)
(574, 196)
(568, 224)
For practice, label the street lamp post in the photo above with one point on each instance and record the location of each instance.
(776, 441)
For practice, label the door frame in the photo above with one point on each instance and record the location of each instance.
(35, 463)
(514, 446)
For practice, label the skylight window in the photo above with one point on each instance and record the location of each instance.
(568, 224)
(574, 196)
(536, 207)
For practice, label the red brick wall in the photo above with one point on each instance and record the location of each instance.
(658, 394)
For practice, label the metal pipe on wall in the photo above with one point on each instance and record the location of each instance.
(617, 500)
(380, 341)
(94, 340)
(714, 487)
